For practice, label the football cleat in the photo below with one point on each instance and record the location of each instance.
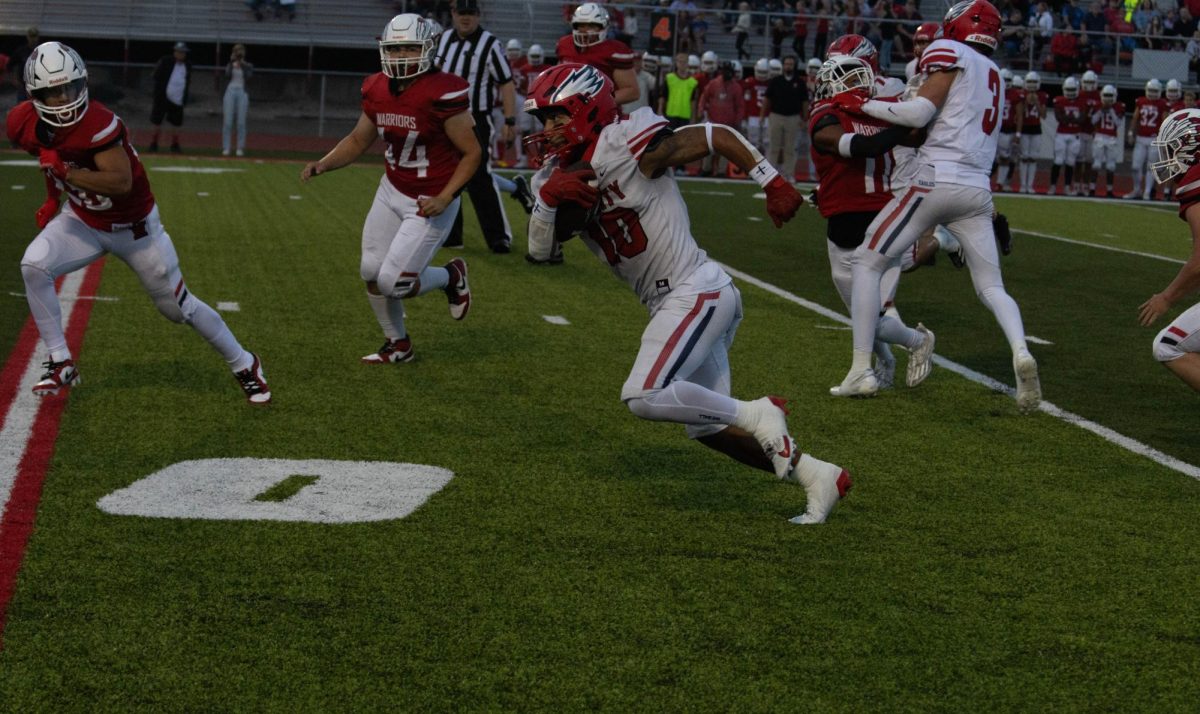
(825, 484)
(458, 292)
(254, 382)
(770, 429)
(522, 195)
(857, 384)
(58, 376)
(1029, 387)
(393, 351)
(920, 360)
(885, 374)
(957, 258)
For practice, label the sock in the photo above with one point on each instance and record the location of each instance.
(689, 403)
(1007, 314)
(1015, 169)
(890, 329)
(46, 311)
(390, 314)
(211, 327)
(883, 353)
(1003, 175)
(433, 278)
(1054, 176)
(808, 468)
(864, 306)
(946, 239)
(1070, 177)
(1148, 192)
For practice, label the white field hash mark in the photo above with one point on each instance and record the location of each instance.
(556, 319)
(66, 299)
(1103, 432)
(1037, 340)
(229, 307)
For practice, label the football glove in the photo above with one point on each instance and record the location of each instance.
(49, 160)
(851, 102)
(783, 200)
(570, 187)
(47, 212)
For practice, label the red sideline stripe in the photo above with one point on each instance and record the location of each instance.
(16, 525)
(1175, 330)
(675, 336)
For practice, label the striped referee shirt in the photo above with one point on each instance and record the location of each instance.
(479, 59)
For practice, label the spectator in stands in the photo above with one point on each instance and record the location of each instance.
(684, 11)
(629, 27)
(677, 100)
(911, 17)
(1013, 33)
(821, 34)
(1096, 25)
(799, 28)
(742, 30)
(17, 61)
(1043, 24)
(1187, 23)
(1064, 48)
(172, 79)
(1142, 15)
(236, 102)
(1085, 53)
(1193, 52)
(1118, 25)
(887, 33)
(1165, 6)
(783, 106)
(779, 32)
(1072, 14)
(1169, 20)
(286, 8)
(699, 31)
(1152, 39)
(721, 103)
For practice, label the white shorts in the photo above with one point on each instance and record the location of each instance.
(67, 244)
(688, 339)
(1143, 154)
(396, 242)
(1066, 149)
(1104, 152)
(1005, 147)
(1085, 147)
(1028, 145)
(841, 262)
(1180, 337)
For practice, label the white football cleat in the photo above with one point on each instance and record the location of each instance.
(920, 360)
(458, 292)
(825, 484)
(857, 384)
(769, 419)
(253, 382)
(393, 351)
(58, 376)
(885, 374)
(1029, 387)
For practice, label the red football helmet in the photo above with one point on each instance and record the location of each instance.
(854, 46)
(927, 32)
(585, 94)
(973, 21)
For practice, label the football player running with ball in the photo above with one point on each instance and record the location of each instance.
(423, 115)
(85, 152)
(1178, 151)
(952, 187)
(641, 229)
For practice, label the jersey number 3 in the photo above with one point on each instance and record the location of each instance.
(619, 234)
(992, 113)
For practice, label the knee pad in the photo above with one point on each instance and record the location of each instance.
(1165, 346)
(177, 309)
(406, 287)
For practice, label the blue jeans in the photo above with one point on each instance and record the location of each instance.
(236, 104)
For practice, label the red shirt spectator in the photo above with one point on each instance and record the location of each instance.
(722, 102)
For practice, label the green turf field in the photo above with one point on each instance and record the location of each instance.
(581, 558)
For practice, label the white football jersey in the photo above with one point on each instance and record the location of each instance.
(888, 87)
(642, 231)
(910, 69)
(961, 144)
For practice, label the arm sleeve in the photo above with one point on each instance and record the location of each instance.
(859, 145)
(915, 113)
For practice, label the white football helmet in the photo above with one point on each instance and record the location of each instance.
(1177, 142)
(407, 30)
(1153, 89)
(1070, 87)
(650, 63)
(843, 73)
(1033, 81)
(589, 13)
(812, 68)
(1108, 95)
(1174, 90)
(54, 71)
(775, 68)
(1088, 81)
(693, 63)
(737, 69)
(762, 70)
(536, 55)
(1018, 81)
(708, 62)
(1006, 75)
(513, 50)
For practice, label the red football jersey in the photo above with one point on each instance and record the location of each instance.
(1032, 117)
(852, 185)
(1008, 120)
(420, 156)
(1091, 102)
(1107, 120)
(1175, 106)
(531, 73)
(703, 80)
(1148, 114)
(520, 75)
(99, 130)
(1187, 189)
(1074, 110)
(753, 92)
(607, 56)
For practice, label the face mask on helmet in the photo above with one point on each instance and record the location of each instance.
(1174, 90)
(1070, 88)
(574, 102)
(1088, 81)
(846, 74)
(589, 23)
(56, 80)
(1032, 82)
(1108, 97)
(1153, 89)
(1177, 142)
(762, 71)
(406, 47)
(536, 55)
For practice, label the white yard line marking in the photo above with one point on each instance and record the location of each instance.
(18, 187)
(195, 170)
(18, 424)
(833, 327)
(294, 197)
(69, 299)
(1109, 235)
(756, 219)
(1103, 432)
(556, 319)
(20, 162)
(710, 193)
(1037, 340)
(1072, 241)
(202, 194)
(229, 307)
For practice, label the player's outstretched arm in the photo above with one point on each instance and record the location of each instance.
(918, 111)
(347, 150)
(460, 128)
(832, 139)
(1185, 283)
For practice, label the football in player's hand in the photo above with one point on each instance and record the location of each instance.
(571, 218)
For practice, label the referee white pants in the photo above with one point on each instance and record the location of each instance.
(965, 211)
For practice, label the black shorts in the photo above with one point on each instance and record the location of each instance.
(166, 108)
(847, 230)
